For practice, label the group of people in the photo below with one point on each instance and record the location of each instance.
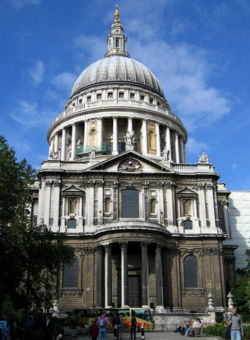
(190, 327)
(98, 328)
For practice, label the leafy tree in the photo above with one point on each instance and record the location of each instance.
(241, 289)
(30, 256)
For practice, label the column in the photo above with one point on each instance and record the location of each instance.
(144, 274)
(177, 151)
(73, 142)
(158, 279)
(41, 199)
(56, 143)
(108, 277)
(182, 150)
(226, 218)
(99, 138)
(170, 212)
(98, 277)
(130, 125)
(48, 184)
(202, 205)
(100, 203)
(124, 275)
(211, 212)
(62, 227)
(90, 206)
(115, 137)
(85, 141)
(168, 142)
(63, 144)
(56, 204)
(158, 140)
(144, 138)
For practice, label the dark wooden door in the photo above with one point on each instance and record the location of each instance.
(134, 291)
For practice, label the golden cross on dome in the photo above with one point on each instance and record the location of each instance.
(117, 15)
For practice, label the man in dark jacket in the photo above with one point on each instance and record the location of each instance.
(49, 328)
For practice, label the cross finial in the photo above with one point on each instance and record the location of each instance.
(117, 15)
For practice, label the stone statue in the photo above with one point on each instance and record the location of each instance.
(129, 140)
(203, 158)
(166, 154)
(53, 154)
(92, 154)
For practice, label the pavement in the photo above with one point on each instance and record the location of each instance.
(149, 336)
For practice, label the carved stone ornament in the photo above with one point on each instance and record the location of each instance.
(70, 292)
(203, 159)
(130, 165)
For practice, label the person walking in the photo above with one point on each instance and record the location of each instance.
(133, 327)
(103, 323)
(235, 321)
(93, 330)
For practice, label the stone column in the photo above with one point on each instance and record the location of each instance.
(85, 141)
(56, 143)
(169, 196)
(98, 277)
(144, 274)
(211, 212)
(108, 277)
(130, 125)
(56, 205)
(73, 142)
(202, 205)
(168, 142)
(158, 280)
(41, 199)
(124, 275)
(48, 184)
(177, 151)
(90, 205)
(158, 140)
(63, 227)
(115, 137)
(63, 144)
(182, 150)
(144, 138)
(99, 138)
(226, 217)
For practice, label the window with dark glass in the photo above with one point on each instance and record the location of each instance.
(188, 225)
(117, 42)
(71, 223)
(70, 275)
(130, 203)
(190, 272)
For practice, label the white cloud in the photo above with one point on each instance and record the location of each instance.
(36, 72)
(196, 147)
(29, 116)
(18, 4)
(234, 166)
(64, 81)
(90, 46)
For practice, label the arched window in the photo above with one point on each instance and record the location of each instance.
(130, 203)
(70, 274)
(107, 205)
(153, 206)
(190, 272)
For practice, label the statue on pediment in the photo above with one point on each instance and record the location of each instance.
(129, 140)
(92, 154)
(203, 158)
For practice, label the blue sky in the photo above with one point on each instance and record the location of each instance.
(198, 49)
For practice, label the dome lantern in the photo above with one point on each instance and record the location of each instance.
(117, 40)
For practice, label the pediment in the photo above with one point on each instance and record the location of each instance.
(72, 188)
(186, 191)
(130, 162)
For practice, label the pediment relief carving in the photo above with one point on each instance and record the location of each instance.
(130, 165)
(72, 188)
(187, 190)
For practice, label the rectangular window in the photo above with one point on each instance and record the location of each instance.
(151, 100)
(71, 223)
(110, 94)
(88, 99)
(116, 42)
(142, 97)
(99, 96)
(70, 275)
(121, 94)
(132, 95)
(130, 203)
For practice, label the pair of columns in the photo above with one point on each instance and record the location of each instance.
(124, 276)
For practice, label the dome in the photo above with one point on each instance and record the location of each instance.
(117, 69)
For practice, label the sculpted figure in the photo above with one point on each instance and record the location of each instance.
(165, 154)
(92, 154)
(203, 158)
(129, 140)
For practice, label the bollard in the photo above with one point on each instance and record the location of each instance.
(115, 333)
(142, 332)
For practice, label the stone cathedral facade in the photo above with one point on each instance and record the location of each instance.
(146, 226)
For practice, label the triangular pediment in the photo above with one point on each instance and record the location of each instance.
(130, 162)
(186, 191)
(72, 188)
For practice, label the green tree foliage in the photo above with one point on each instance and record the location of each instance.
(241, 289)
(30, 256)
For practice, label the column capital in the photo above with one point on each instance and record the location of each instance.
(98, 250)
(124, 245)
